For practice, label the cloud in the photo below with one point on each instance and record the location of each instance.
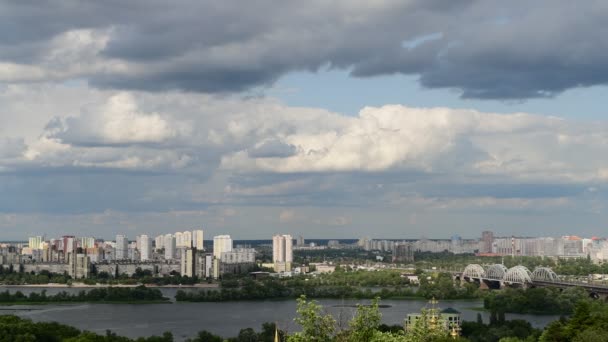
(287, 216)
(231, 157)
(337, 221)
(117, 121)
(429, 140)
(489, 50)
(271, 149)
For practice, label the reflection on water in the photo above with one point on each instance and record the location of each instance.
(186, 319)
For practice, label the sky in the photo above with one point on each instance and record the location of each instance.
(341, 119)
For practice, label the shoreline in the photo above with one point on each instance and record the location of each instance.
(131, 302)
(84, 286)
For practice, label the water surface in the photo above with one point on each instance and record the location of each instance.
(226, 318)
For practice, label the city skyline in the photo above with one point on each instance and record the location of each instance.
(407, 119)
(185, 247)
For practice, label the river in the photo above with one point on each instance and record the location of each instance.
(227, 318)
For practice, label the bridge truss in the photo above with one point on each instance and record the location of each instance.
(515, 275)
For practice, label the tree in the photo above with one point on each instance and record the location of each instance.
(316, 327)
(591, 335)
(501, 316)
(580, 320)
(205, 336)
(366, 322)
(247, 335)
(428, 327)
(479, 318)
(493, 317)
(268, 332)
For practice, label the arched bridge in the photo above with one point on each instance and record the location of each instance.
(497, 275)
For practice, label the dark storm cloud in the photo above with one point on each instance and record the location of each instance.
(486, 49)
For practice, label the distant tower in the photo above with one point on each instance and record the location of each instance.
(186, 239)
(487, 239)
(282, 252)
(221, 244)
(159, 242)
(169, 244)
(197, 239)
(179, 239)
(188, 262)
(512, 246)
(403, 252)
(69, 246)
(122, 247)
(145, 247)
(35, 242)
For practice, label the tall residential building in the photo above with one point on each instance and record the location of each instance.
(188, 262)
(403, 252)
(86, 242)
(208, 266)
(80, 266)
(169, 244)
(179, 237)
(35, 242)
(487, 239)
(282, 252)
(122, 247)
(198, 239)
(159, 242)
(69, 245)
(133, 253)
(145, 247)
(187, 239)
(138, 242)
(221, 244)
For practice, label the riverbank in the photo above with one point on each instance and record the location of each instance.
(131, 302)
(114, 295)
(99, 285)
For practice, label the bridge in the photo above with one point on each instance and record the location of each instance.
(498, 276)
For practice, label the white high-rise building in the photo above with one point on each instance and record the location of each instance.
(198, 239)
(179, 239)
(288, 248)
(35, 242)
(187, 239)
(282, 248)
(221, 244)
(86, 242)
(134, 254)
(122, 247)
(169, 244)
(159, 242)
(282, 252)
(145, 247)
(188, 262)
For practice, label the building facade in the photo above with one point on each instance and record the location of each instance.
(122, 247)
(145, 248)
(221, 244)
(282, 252)
(198, 239)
